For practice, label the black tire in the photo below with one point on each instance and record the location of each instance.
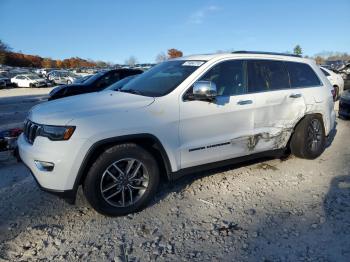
(93, 182)
(31, 85)
(303, 143)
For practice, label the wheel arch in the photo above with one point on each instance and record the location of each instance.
(148, 141)
(319, 114)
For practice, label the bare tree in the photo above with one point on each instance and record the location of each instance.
(319, 60)
(131, 61)
(161, 57)
(4, 48)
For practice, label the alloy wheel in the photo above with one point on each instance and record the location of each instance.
(124, 182)
(314, 140)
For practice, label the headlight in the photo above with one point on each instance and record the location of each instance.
(56, 133)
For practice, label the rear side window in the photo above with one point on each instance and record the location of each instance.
(302, 75)
(264, 75)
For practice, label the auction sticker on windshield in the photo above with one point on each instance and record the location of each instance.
(193, 63)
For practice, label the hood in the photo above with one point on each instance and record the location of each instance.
(61, 111)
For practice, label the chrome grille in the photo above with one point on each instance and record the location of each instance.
(31, 131)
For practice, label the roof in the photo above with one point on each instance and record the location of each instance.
(244, 54)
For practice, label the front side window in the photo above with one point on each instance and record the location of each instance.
(228, 76)
(302, 75)
(265, 75)
(162, 79)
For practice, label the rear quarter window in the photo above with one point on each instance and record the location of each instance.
(302, 75)
(325, 72)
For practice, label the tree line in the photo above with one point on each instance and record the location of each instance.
(7, 57)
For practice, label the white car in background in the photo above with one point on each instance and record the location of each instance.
(28, 80)
(336, 80)
(62, 77)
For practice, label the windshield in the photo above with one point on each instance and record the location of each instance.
(119, 84)
(33, 77)
(161, 79)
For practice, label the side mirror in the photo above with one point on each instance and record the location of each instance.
(204, 90)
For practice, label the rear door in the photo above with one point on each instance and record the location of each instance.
(277, 106)
(304, 81)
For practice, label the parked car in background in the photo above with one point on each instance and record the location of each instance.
(335, 64)
(28, 80)
(344, 105)
(82, 79)
(185, 114)
(118, 85)
(95, 83)
(62, 77)
(345, 73)
(336, 80)
(4, 81)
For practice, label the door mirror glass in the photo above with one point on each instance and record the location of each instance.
(204, 90)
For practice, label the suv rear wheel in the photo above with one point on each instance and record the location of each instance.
(308, 140)
(122, 180)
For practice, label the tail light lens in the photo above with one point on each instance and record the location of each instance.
(334, 93)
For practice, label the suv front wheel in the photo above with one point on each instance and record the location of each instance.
(308, 140)
(123, 179)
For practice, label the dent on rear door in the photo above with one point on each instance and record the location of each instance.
(275, 115)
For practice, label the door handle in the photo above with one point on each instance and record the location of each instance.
(245, 102)
(295, 95)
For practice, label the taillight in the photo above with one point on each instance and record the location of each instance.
(334, 93)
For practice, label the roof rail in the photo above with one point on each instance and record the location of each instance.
(264, 53)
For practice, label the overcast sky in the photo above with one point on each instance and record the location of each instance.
(113, 30)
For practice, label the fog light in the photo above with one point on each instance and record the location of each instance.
(44, 166)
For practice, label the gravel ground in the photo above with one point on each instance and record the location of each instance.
(266, 210)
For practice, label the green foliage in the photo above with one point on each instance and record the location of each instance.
(297, 50)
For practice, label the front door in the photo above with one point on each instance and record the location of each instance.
(219, 130)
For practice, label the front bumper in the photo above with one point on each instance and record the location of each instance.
(65, 155)
(68, 195)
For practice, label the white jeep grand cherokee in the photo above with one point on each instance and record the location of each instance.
(182, 115)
